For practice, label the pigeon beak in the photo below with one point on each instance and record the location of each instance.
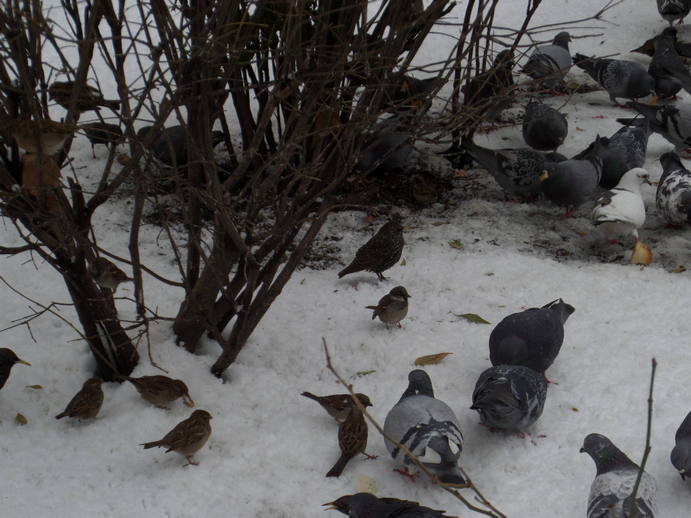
(582, 450)
(187, 400)
(682, 472)
(544, 176)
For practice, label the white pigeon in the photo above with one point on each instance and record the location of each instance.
(621, 211)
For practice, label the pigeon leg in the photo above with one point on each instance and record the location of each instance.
(380, 276)
(407, 474)
(93, 153)
(568, 213)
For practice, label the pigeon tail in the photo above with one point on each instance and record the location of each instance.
(585, 63)
(448, 473)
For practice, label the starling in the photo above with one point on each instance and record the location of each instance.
(187, 437)
(106, 274)
(381, 252)
(338, 406)
(102, 133)
(39, 136)
(86, 403)
(392, 307)
(7, 361)
(352, 439)
(366, 505)
(89, 99)
(160, 391)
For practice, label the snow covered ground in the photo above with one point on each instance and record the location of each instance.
(270, 448)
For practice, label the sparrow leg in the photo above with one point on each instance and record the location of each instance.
(370, 457)
(380, 276)
(190, 461)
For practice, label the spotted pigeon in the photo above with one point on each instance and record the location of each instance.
(673, 197)
(509, 397)
(531, 338)
(610, 492)
(427, 427)
(620, 78)
(672, 122)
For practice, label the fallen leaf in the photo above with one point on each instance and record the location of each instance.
(35, 387)
(579, 129)
(360, 374)
(641, 254)
(20, 419)
(455, 243)
(403, 262)
(680, 269)
(430, 359)
(574, 409)
(472, 317)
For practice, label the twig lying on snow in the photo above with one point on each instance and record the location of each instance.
(491, 511)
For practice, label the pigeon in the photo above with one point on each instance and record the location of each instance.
(572, 182)
(673, 197)
(187, 437)
(387, 147)
(517, 171)
(381, 252)
(610, 492)
(672, 10)
(626, 149)
(427, 427)
(509, 397)
(672, 122)
(490, 92)
(621, 211)
(681, 453)
(7, 360)
(338, 405)
(171, 147)
(620, 78)
(544, 128)
(392, 307)
(86, 403)
(550, 63)
(366, 505)
(102, 133)
(667, 66)
(531, 338)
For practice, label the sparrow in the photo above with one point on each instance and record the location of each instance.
(160, 391)
(7, 360)
(102, 133)
(39, 136)
(381, 252)
(392, 307)
(90, 98)
(106, 274)
(187, 437)
(352, 439)
(338, 406)
(86, 403)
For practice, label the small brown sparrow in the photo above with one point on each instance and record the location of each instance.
(39, 136)
(187, 437)
(106, 274)
(102, 133)
(160, 391)
(392, 307)
(7, 360)
(86, 403)
(352, 439)
(90, 98)
(338, 406)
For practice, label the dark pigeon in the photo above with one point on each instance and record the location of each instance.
(610, 492)
(673, 197)
(550, 63)
(366, 505)
(544, 128)
(531, 338)
(490, 92)
(387, 147)
(171, 147)
(510, 397)
(672, 10)
(620, 78)
(517, 171)
(667, 66)
(681, 453)
(427, 427)
(626, 149)
(672, 122)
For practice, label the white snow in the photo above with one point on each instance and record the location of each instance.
(270, 447)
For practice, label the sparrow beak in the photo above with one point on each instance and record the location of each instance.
(187, 400)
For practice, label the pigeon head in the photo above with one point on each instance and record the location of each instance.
(560, 307)
(562, 39)
(605, 454)
(670, 161)
(399, 291)
(419, 383)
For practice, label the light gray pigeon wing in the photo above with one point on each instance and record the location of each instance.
(672, 10)
(509, 397)
(610, 495)
(543, 128)
(551, 61)
(673, 196)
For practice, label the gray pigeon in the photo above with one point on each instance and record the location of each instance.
(626, 149)
(673, 197)
(550, 63)
(610, 492)
(681, 453)
(517, 171)
(366, 505)
(667, 66)
(427, 427)
(509, 397)
(572, 182)
(171, 147)
(620, 78)
(531, 338)
(544, 128)
(672, 122)
(388, 146)
(672, 10)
